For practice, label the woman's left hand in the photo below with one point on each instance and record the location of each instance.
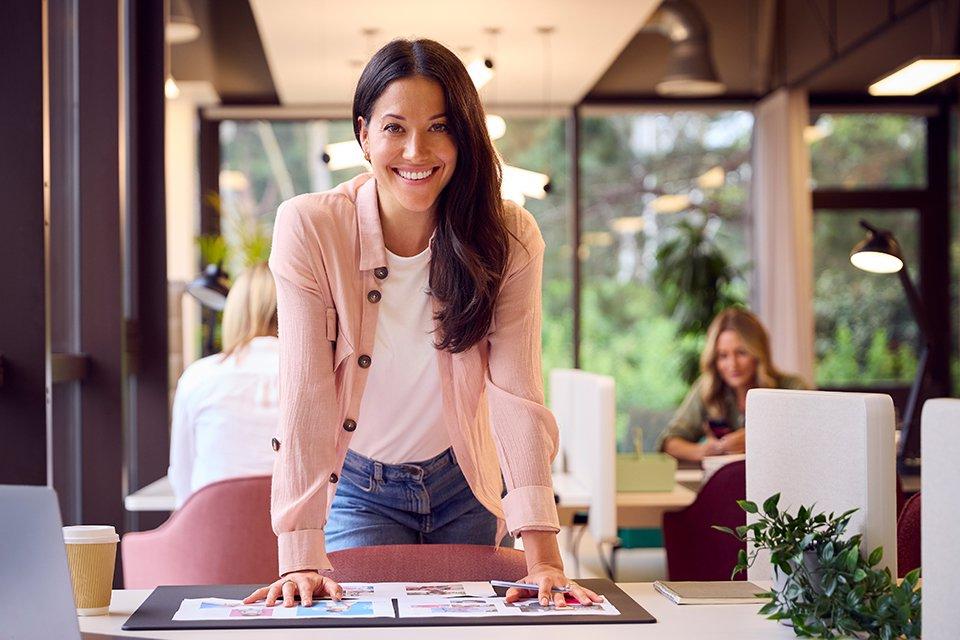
(546, 577)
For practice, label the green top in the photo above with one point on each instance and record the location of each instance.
(688, 422)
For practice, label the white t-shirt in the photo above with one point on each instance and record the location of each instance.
(401, 412)
(225, 413)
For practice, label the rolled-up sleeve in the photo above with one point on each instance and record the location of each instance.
(308, 407)
(687, 422)
(524, 430)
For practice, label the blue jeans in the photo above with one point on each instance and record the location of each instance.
(412, 503)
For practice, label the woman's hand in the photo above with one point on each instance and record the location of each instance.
(735, 442)
(711, 446)
(308, 584)
(546, 577)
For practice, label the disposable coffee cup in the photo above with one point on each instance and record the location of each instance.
(91, 554)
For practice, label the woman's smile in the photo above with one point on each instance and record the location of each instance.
(416, 177)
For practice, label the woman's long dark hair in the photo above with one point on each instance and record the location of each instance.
(470, 247)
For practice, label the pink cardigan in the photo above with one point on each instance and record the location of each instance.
(328, 253)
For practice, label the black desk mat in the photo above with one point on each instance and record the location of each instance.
(156, 612)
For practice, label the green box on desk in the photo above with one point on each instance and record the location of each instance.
(646, 472)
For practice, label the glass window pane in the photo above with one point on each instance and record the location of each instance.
(539, 144)
(868, 150)
(653, 181)
(865, 332)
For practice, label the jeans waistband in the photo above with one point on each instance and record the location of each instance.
(405, 471)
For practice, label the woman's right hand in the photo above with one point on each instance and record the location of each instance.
(711, 446)
(309, 584)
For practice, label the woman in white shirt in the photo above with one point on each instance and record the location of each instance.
(226, 407)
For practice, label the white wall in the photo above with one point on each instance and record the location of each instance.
(183, 211)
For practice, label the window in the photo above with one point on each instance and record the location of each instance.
(868, 150)
(649, 179)
(865, 332)
(870, 166)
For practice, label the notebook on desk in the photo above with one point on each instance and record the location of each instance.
(732, 592)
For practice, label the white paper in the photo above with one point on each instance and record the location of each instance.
(445, 589)
(423, 607)
(221, 609)
(532, 607)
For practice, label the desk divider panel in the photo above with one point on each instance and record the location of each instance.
(585, 407)
(832, 451)
(940, 517)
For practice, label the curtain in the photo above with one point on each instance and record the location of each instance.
(783, 230)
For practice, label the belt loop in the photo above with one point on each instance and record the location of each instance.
(377, 471)
(453, 455)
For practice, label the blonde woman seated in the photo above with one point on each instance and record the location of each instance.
(736, 359)
(226, 408)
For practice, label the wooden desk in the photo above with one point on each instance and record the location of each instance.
(643, 509)
(674, 622)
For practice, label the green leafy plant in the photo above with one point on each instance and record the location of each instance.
(826, 587)
(694, 279)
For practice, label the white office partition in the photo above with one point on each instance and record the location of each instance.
(940, 517)
(585, 407)
(832, 451)
(561, 404)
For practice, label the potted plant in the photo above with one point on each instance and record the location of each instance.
(823, 584)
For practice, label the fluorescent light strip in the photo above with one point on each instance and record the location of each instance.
(916, 76)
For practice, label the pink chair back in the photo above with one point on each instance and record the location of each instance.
(694, 550)
(221, 535)
(908, 536)
(427, 563)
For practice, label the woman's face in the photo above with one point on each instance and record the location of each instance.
(735, 364)
(411, 148)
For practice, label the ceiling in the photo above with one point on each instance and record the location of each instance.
(309, 53)
(761, 44)
(315, 50)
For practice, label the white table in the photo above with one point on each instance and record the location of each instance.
(674, 622)
(156, 496)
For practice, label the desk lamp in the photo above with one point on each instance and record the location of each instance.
(880, 252)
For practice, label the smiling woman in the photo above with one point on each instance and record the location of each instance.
(409, 307)
(736, 358)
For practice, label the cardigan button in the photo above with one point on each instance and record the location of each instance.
(364, 361)
(275, 444)
(380, 273)
(373, 296)
(349, 425)
(334, 478)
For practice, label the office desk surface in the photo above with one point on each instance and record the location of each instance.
(638, 509)
(156, 496)
(674, 622)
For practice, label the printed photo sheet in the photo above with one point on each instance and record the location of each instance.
(491, 607)
(399, 590)
(221, 609)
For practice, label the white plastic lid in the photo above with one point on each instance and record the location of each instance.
(90, 534)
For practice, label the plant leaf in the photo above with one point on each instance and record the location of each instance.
(770, 505)
(749, 507)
